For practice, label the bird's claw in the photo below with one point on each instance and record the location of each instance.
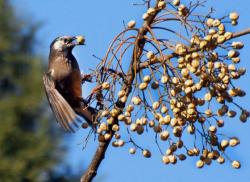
(86, 77)
(95, 90)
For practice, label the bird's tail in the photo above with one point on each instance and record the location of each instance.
(63, 112)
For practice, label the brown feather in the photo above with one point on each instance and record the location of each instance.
(64, 114)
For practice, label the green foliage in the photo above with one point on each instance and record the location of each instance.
(29, 146)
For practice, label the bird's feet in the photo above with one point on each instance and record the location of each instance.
(86, 78)
(96, 90)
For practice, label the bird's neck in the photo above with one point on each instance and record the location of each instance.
(64, 54)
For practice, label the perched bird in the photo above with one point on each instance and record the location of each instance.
(62, 84)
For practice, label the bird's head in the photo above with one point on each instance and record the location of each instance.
(66, 43)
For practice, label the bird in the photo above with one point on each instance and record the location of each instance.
(63, 85)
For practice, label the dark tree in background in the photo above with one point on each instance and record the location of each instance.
(29, 146)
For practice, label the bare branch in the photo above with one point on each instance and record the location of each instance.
(103, 145)
(241, 33)
(174, 69)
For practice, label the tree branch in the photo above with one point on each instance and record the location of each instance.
(241, 33)
(134, 67)
(127, 87)
(172, 55)
(96, 161)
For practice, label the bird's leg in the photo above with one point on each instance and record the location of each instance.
(94, 91)
(86, 78)
(99, 96)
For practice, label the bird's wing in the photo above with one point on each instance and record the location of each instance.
(63, 112)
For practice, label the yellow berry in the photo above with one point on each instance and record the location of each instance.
(164, 79)
(236, 164)
(107, 136)
(143, 86)
(164, 135)
(209, 22)
(216, 23)
(228, 35)
(103, 127)
(234, 16)
(132, 150)
(136, 100)
(165, 159)
(224, 143)
(172, 159)
(121, 143)
(199, 164)
(80, 39)
(220, 160)
(131, 24)
(234, 142)
(114, 112)
(146, 153)
(146, 78)
(133, 127)
(105, 86)
(115, 127)
(237, 45)
(176, 2)
(150, 55)
(212, 129)
(151, 11)
(156, 105)
(161, 4)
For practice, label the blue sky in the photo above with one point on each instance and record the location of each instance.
(99, 22)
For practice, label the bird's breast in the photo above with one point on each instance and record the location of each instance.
(67, 75)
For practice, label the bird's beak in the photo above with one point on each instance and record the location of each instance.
(74, 41)
(79, 40)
